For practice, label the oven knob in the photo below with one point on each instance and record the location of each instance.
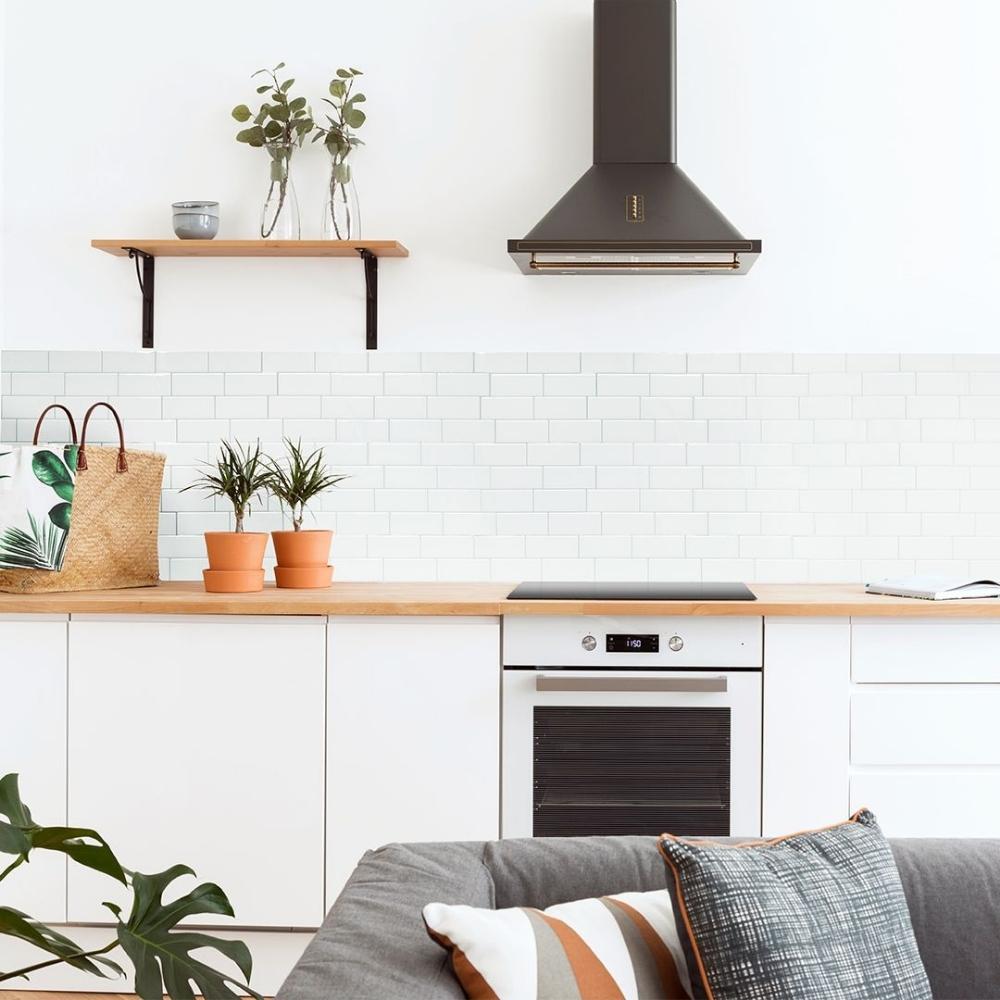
(676, 643)
(589, 643)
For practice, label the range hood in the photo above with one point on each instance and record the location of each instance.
(635, 210)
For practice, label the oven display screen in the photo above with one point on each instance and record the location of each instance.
(618, 643)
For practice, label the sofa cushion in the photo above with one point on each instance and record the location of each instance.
(373, 945)
(953, 891)
(813, 916)
(618, 946)
(550, 870)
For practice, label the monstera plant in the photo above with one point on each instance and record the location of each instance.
(45, 545)
(160, 952)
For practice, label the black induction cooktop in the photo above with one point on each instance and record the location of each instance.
(631, 592)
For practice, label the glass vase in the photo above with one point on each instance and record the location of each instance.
(341, 211)
(279, 219)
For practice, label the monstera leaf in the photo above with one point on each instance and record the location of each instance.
(16, 924)
(52, 470)
(162, 955)
(20, 834)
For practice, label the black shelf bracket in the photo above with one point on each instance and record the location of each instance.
(146, 273)
(371, 298)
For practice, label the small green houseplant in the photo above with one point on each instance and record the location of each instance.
(303, 556)
(280, 125)
(341, 211)
(235, 558)
(165, 959)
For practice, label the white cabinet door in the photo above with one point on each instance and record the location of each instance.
(413, 744)
(939, 724)
(961, 803)
(200, 740)
(807, 667)
(904, 651)
(33, 744)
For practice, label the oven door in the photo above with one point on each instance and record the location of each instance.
(623, 752)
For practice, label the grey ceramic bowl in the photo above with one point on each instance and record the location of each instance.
(196, 220)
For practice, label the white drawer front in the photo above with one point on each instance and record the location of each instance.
(938, 804)
(930, 725)
(925, 652)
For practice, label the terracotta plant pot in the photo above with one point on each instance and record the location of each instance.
(303, 577)
(233, 581)
(232, 550)
(303, 559)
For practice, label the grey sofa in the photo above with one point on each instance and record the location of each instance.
(373, 945)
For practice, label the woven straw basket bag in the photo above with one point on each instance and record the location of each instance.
(116, 506)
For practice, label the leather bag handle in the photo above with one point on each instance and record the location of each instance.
(54, 406)
(81, 460)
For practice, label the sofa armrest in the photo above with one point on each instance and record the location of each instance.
(373, 944)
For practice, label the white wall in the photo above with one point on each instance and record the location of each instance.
(574, 466)
(855, 139)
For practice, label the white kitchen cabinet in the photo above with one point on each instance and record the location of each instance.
(201, 740)
(960, 803)
(413, 737)
(929, 724)
(807, 665)
(33, 744)
(907, 651)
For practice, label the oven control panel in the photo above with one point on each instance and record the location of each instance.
(667, 642)
(632, 642)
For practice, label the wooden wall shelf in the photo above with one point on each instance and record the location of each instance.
(145, 252)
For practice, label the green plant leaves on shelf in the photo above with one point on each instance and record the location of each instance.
(337, 88)
(253, 136)
(15, 924)
(163, 956)
(242, 113)
(355, 117)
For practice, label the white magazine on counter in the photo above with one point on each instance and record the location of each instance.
(936, 588)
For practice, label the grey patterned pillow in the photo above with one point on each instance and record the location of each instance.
(811, 916)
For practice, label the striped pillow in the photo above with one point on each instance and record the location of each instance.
(622, 947)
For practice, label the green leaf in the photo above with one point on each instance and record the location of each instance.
(60, 515)
(287, 86)
(272, 130)
(70, 454)
(297, 104)
(254, 136)
(163, 956)
(343, 74)
(337, 88)
(86, 847)
(15, 924)
(357, 99)
(280, 65)
(278, 112)
(49, 468)
(263, 89)
(355, 117)
(356, 72)
(242, 113)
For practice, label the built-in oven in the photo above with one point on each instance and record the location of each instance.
(629, 725)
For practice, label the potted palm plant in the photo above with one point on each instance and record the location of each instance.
(303, 556)
(235, 558)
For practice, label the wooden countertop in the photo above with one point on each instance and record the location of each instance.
(788, 599)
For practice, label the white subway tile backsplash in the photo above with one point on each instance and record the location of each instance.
(608, 466)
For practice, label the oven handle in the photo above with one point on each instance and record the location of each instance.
(692, 685)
